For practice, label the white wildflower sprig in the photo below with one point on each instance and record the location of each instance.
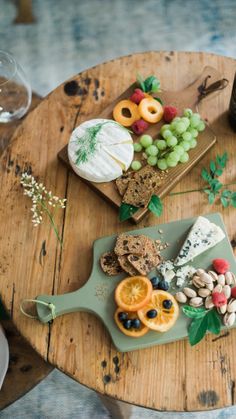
(41, 199)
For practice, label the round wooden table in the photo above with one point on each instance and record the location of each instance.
(170, 377)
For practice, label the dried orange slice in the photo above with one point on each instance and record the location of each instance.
(165, 317)
(126, 112)
(133, 332)
(150, 110)
(133, 293)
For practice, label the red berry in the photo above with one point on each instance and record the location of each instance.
(219, 299)
(170, 113)
(221, 265)
(139, 126)
(137, 96)
(233, 292)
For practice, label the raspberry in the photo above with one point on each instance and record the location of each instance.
(221, 265)
(139, 126)
(233, 292)
(170, 113)
(219, 299)
(137, 96)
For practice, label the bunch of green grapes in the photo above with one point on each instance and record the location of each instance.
(176, 139)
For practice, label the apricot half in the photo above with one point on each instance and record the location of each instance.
(126, 112)
(151, 110)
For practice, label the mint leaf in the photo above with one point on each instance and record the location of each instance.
(126, 211)
(211, 198)
(226, 193)
(218, 172)
(233, 200)
(152, 84)
(214, 322)
(155, 205)
(222, 160)
(141, 83)
(194, 313)
(212, 167)
(205, 175)
(197, 330)
(158, 100)
(224, 201)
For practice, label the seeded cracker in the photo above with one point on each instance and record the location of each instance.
(144, 264)
(126, 244)
(145, 183)
(126, 266)
(123, 181)
(109, 264)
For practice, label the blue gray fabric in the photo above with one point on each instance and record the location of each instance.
(70, 36)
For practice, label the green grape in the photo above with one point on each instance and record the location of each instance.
(185, 145)
(174, 155)
(152, 150)
(136, 165)
(161, 144)
(173, 125)
(193, 132)
(161, 164)
(164, 127)
(193, 143)
(176, 119)
(187, 136)
(172, 141)
(137, 147)
(179, 149)
(171, 163)
(201, 126)
(188, 112)
(152, 160)
(146, 140)
(184, 158)
(194, 120)
(186, 121)
(180, 127)
(166, 134)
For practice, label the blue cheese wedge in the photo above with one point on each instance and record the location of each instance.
(202, 236)
(100, 150)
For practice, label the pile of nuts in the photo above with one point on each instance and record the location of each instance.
(212, 290)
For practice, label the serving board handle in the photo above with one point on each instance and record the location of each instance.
(51, 306)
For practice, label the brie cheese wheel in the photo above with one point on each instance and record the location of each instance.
(100, 150)
(202, 236)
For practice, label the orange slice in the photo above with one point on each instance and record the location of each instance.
(135, 333)
(150, 110)
(165, 318)
(133, 293)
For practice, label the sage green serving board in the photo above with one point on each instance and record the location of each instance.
(97, 295)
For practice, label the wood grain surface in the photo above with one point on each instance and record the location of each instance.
(171, 377)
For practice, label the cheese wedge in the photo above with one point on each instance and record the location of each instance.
(100, 150)
(202, 236)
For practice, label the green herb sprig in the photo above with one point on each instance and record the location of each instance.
(202, 321)
(155, 205)
(150, 85)
(214, 188)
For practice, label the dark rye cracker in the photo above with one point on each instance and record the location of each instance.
(123, 181)
(109, 264)
(126, 244)
(126, 265)
(145, 183)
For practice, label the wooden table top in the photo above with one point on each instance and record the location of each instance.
(170, 377)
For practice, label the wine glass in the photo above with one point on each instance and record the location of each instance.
(15, 90)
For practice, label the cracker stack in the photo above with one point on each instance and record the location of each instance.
(134, 254)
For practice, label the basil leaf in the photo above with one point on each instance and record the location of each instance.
(126, 211)
(155, 205)
(141, 83)
(212, 167)
(158, 100)
(214, 322)
(197, 330)
(194, 313)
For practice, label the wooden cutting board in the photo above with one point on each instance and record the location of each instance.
(186, 98)
(97, 295)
